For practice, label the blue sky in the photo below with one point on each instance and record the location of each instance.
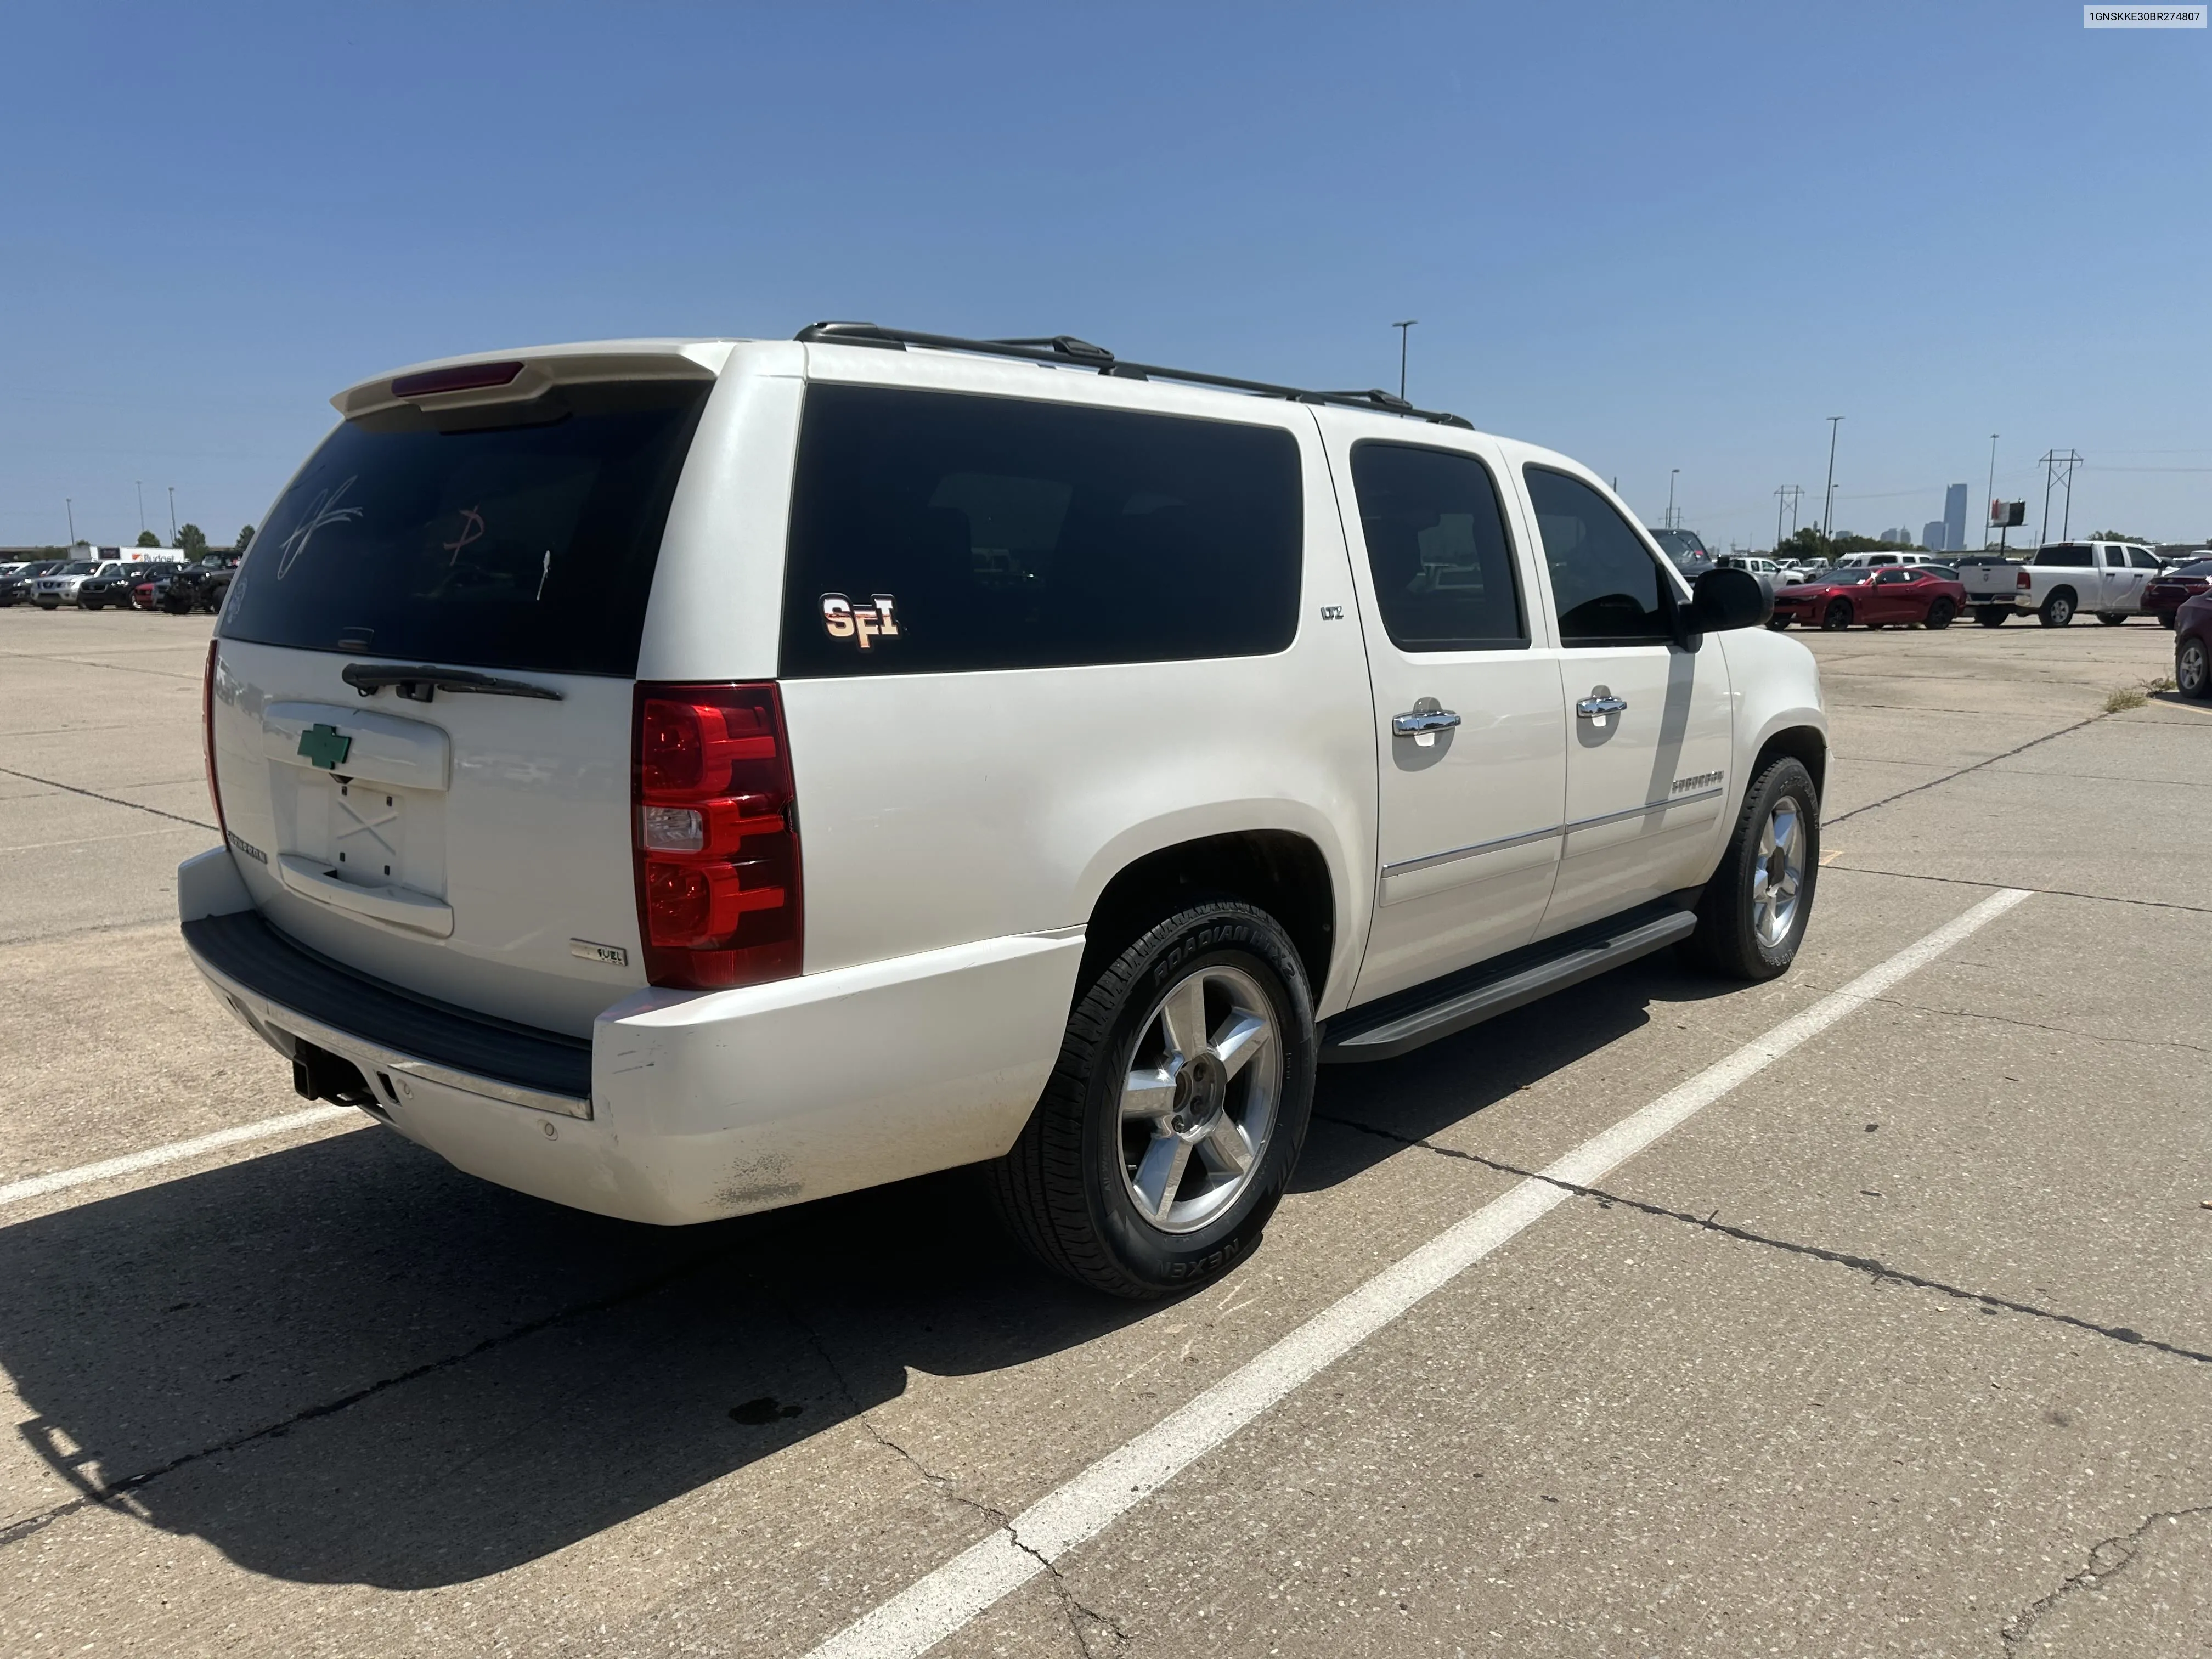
(1652, 236)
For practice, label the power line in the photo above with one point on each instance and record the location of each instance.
(2057, 470)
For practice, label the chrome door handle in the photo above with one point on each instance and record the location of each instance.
(1424, 717)
(1597, 707)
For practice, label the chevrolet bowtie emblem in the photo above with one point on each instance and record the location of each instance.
(325, 747)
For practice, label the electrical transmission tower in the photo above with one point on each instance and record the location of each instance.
(2057, 473)
(1788, 494)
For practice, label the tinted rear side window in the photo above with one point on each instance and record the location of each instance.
(2073, 556)
(520, 546)
(938, 532)
(1437, 544)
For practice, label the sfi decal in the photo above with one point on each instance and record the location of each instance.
(876, 620)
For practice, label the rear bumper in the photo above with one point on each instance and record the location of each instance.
(684, 1107)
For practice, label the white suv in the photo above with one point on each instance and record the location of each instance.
(680, 778)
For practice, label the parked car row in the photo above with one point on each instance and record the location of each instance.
(1872, 596)
(141, 584)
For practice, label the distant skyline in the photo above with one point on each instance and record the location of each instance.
(1652, 238)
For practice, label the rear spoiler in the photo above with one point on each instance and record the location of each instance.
(515, 377)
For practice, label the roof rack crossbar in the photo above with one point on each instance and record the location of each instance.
(1067, 349)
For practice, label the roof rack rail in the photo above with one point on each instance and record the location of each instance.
(1081, 354)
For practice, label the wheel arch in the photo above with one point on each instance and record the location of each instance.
(1282, 872)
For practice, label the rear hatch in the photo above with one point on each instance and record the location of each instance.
(421, 711)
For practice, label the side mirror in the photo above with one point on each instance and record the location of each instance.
(1727, 597)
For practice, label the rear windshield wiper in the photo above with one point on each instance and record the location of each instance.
(422, 682)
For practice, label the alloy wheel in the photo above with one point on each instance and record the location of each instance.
(1200, 1101)
(1778, 875)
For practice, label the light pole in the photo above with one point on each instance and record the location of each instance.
(1993, 489)
(1673, 473)
(1828, 501)
(173, 515)
(142, 506)
(70, 504)
(1402, 328)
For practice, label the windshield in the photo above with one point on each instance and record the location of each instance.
(527, 547)
(75, 568)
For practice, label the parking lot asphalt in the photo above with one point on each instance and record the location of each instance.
(1900, 1344)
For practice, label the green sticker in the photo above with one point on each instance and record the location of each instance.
(325, 747)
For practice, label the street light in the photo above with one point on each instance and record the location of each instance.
(1401, 328)
(1993, 487)
(1673, 473)
(1828, 503)
(70, 504)
(173, 515)
(141, 505)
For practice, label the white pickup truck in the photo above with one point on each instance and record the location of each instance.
(2062, 579)
(1152, 737)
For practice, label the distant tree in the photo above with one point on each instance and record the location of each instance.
(1809, 542)
(245, 540)
(2119, 535)
(193, 539)
(148, 539)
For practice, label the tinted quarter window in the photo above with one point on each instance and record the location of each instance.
(1438, 546)
(936, 532)
(1605, 582)
(524, 546)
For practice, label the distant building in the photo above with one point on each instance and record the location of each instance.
(1935, 537)
(1954, 518)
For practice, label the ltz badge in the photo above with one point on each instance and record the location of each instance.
(864, 622)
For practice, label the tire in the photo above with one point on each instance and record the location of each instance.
(1743, 933)
(1837, 617)
(2165, 620)
(1778, 623)
(1070, 1188)
(2057, 611)
(2112, 618)
(1992, 616)
(87, 604)
(2192, 671)
(1940, 614)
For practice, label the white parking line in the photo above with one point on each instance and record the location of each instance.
(175, 1152)
(934, 1606)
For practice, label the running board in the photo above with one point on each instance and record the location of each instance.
(1385, 1030)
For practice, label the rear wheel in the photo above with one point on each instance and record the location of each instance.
(2192, 672)
(2057, 611)
(1993, 616)
(1940, 612)
(1836, 616)
(2112, 618)
(2165, 620)
(1170, 1126)
(1751, 915)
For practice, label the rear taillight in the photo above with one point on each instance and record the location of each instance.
(2022, 581)
(717, 836)
(207, 737)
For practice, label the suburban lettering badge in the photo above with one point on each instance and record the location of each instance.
(863, 622)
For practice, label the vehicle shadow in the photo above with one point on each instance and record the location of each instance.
(1428, 1090)
(348, 1363)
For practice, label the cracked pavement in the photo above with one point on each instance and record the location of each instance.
(1900, 1347)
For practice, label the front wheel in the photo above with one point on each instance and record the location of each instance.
(1752, 914)
(1777, 622)
(2165, 620)
(2057, 611)
(1993, 616)
(2192, 674)
(1940, 612)
(1836, 616)
(1172, 1123)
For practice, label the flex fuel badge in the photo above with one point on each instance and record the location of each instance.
(864, 623)
(325, 746)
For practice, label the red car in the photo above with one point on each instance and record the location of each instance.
(1883, 596)
(2193, 647)
(2168, 591)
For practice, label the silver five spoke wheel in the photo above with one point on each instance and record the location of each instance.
(1778, 875)
(1199, 1100)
